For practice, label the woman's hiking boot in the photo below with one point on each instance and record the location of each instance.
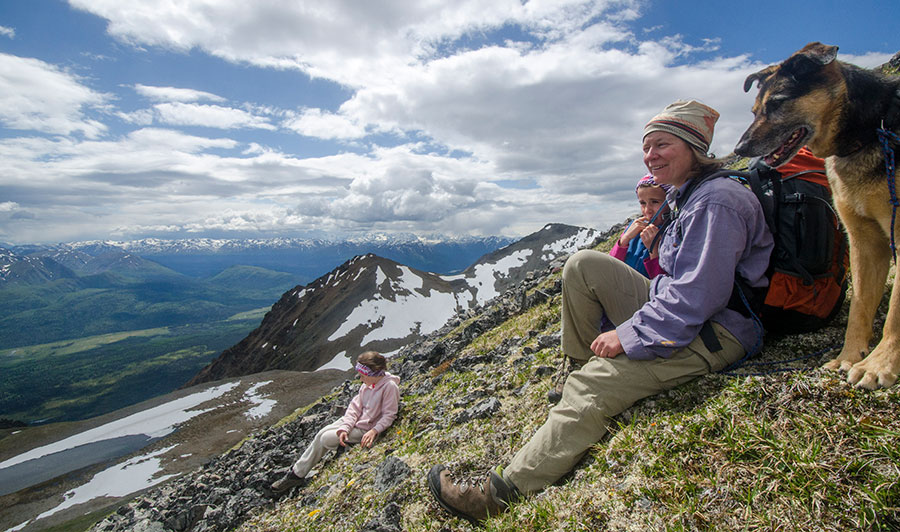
(567, 366)
(288, 481)
(472, 502)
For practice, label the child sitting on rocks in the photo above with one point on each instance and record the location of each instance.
(368, 415)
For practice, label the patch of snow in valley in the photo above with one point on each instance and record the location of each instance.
(117, 481)
(340, 361)
(262, 405)
(154, 422)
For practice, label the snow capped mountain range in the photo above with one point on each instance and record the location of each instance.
(149, 246)
(205, 257)
(370, 302)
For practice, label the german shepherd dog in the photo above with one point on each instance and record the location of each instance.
(836, 109)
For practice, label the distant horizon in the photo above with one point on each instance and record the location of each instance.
(361, 237)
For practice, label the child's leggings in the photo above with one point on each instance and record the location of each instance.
(326, 439)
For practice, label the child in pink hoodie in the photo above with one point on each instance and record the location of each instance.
(371, 412)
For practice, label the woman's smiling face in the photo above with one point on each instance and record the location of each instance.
(668, 158)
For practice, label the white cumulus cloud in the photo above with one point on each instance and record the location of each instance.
(38, 96)
(175, 94)
(192, 114)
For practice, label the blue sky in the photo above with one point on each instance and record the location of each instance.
(126, 119)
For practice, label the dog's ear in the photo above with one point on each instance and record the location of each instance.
(757, 76)
(820, 53)
(810, 59)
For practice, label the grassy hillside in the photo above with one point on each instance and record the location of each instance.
(794, 448)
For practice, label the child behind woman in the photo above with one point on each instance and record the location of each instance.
(632, 246)
(371, 412)
(632, 249)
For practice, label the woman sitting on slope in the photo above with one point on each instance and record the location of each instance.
(668, 331)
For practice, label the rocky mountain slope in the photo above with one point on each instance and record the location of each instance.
(779, 445)
(370, 302)
(383, 296)
(50, 474)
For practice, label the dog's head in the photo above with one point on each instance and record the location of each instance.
(796, 106)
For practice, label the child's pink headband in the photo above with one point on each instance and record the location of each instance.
(367, 371)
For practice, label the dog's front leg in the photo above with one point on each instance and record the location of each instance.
(880, 368)
(870, 257)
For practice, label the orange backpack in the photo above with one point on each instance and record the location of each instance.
(808, 268)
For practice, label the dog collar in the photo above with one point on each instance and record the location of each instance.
(890, 121)
(892, 117)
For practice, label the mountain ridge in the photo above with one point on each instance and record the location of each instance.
(123, 311)
(306, 257)
(371, 302)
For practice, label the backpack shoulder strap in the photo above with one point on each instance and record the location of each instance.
(702, 179)
(707, 335)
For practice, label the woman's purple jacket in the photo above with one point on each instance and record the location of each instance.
(721, 230)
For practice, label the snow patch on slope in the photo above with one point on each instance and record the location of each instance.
(409, 311)
(567, 245)
(153, 422)
(484, 281)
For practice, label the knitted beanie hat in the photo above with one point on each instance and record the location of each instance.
(690, 121)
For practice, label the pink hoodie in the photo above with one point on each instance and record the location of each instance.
(373, 407)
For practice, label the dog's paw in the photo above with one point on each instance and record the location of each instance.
(878, 370)
(869, 380)
(845, 361)
(834, 365)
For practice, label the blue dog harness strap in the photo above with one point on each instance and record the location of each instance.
(886, 137)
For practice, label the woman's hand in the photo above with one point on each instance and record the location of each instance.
(368, 438)
(647, 236)
(342, 437)
(607, 345)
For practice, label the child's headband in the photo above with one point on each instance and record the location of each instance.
(367, 371)
(649, 180)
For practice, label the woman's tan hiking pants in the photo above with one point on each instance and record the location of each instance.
(595, 284)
